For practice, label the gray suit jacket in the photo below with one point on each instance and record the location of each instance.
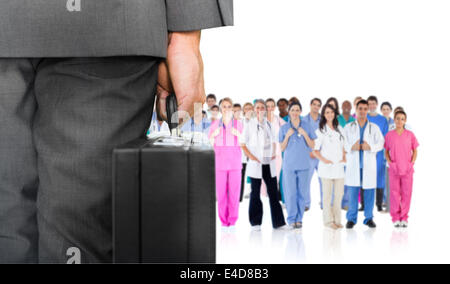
(94, 28)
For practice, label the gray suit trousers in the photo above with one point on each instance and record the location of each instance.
(59, 122)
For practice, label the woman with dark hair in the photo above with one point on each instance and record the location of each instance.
(334, 102)
(401, 154)
(276, 122)
(386, 110)
(329, 149)
(297, 140)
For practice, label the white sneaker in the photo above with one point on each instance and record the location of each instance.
(397, 224)
(284, 228)
(404, 224)
(256, 228)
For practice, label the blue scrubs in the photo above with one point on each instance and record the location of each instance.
(383, 124)
(296, 165)
(287, 119)
(314, 162)
(369, 203)
(202, 127)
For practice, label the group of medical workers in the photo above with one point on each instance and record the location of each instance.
(363, 158)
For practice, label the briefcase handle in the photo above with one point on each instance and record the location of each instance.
(172, 114)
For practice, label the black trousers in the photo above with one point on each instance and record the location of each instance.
(244, 167)
(380, 197)
(256, 206)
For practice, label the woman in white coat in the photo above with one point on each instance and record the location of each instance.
(260, 147)
(277, 122)
(363, 140)
(329, 149)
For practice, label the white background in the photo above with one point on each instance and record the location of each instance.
(398, 50)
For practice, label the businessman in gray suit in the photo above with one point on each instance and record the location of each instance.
(77, 79)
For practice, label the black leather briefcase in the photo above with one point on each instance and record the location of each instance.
(164, 202)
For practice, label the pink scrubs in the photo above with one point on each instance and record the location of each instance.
(228, 170)
(401, 171)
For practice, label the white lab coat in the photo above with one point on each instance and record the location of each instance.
(154, 131)
(244, 157)
(375, 139)
(254, 140)
(331, 143)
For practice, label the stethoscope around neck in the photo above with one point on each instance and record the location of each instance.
(355, 123)
(295, 129)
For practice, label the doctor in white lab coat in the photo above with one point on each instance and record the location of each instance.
(157, 127)
(259, 146)
(363, 140)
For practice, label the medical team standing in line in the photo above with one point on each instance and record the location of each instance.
(365, 158)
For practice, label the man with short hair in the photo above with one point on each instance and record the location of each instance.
(383, 124)
(313, 119)
(211, 100)
(346, 116)
(283, 105)
(363, 140)
(237, 112)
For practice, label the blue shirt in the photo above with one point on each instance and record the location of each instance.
(190, 126)
(296, 154)
(314, 123)
(390, 121)
(314, 126)
(361, 141)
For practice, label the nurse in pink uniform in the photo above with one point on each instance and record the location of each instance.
(401, 154)
(225, 136)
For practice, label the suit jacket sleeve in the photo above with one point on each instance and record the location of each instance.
(191, 15)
